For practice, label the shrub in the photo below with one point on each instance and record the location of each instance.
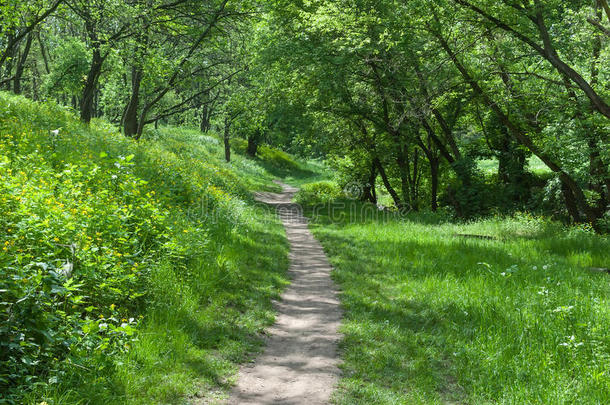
(277, 158)
(321, 192)
(87, 218)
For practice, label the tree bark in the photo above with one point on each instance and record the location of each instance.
(21, 65)
(130, 119)
(206, 111)
(387, 184)
(88, 96)
(403, 170)
(226, 138)
(434, 165)
(368, 191)
(43, 52)
(35, 83)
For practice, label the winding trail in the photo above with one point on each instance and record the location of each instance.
(299, 363)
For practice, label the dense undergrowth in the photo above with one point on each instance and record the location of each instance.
(501, 310)
(132, 272)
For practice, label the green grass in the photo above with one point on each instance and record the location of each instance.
(311, 171)
(174, 265)
(432, 317)
(534, 165)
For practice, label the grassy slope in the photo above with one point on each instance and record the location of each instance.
(431, 317)
(164, 232)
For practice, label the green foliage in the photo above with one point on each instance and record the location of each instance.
(68, 69)
(467, 192)
(277, 158)
(321, 192)
(109, 246)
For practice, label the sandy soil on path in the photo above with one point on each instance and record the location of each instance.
(299, 362)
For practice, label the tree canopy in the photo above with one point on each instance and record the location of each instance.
(415, 93)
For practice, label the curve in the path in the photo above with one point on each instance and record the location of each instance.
(299, 363)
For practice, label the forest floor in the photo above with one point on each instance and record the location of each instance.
(300, 361)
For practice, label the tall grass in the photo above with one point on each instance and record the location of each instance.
(434, 316)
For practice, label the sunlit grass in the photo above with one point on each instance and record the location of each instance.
(534, 165)
(432, 316)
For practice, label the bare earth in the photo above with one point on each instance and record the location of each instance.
(299, 364)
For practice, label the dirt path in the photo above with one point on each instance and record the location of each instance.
(299, 363)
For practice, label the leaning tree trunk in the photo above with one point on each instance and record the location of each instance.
(399, 204)
(21, 65)
(226, 138)
(130, 119)
(88, 97)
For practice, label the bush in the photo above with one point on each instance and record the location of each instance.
(78, 238)
(277, 158)
(321, 192)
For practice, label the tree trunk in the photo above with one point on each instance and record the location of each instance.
(598, 176)
(434, 164)
(387, 184)
(206, 111)
(205, 119)
(403, 170)
(227, 134)
(434, 161)
(570, 202)
(415, 181)
(252, 145)
(130, 119)
(368, 191)
(88, 96)
(43, 52)
(10, 53)
(35, 83)
(521, 136)
(21, 65)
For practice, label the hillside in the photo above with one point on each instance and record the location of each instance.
(133, 272)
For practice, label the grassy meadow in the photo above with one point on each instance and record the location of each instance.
(433, 316)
